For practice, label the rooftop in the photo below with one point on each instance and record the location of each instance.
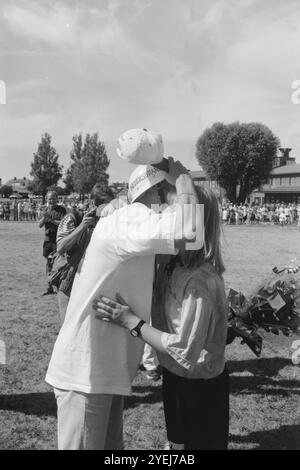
(198, 174)
(294, 168)
(282, 189)
(18, 181)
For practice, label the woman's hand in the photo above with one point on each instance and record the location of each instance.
(117, 312)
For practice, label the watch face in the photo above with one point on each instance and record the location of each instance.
(134, 333)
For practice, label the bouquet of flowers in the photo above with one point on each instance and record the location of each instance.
(274, 306)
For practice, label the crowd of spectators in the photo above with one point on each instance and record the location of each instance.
(277, 214)
(20, 210)
(24, 210)
(232, 214)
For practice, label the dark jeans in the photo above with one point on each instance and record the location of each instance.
(48, 247)
(197, 411)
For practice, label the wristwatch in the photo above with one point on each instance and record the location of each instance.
(136, 331)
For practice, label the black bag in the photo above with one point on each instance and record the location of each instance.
(60, 267)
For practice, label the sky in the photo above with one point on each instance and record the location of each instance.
(172, 66)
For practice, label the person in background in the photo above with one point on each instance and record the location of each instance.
(189, 333)
(100, 198)
(244, 213)
(39, 210)
(294, 214)
(15, 210)
(26, 210)
(69, 206)
(6, 210)
(20, 210)
(50, 220)
(1, 211)
(225, 215)
(282, 219)
(236, 214)
(73, 236)
(232, 216)
(32, 210)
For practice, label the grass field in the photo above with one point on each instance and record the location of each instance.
(265, 392)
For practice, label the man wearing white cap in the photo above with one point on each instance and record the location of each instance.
(93, 363)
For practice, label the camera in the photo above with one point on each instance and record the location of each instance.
(91, 213)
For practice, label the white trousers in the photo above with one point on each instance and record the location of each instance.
(89, 421)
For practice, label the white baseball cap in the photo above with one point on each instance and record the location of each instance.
(141, 146)
(143, 178)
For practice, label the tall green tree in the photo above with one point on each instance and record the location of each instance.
(89, 163)
(6, 190)
(239, 156)
(68, 180)
(35, 187)
(45, 169)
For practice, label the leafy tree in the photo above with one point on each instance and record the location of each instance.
(6, 190)
(35, 187)
(60, 191)
(45, 169)
(68, 180)
(89, 163)
(238, 156)
(76, 171)
(116, 187)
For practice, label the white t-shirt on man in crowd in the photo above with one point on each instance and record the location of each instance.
(93, 356)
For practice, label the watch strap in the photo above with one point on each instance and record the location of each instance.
(136, 331)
